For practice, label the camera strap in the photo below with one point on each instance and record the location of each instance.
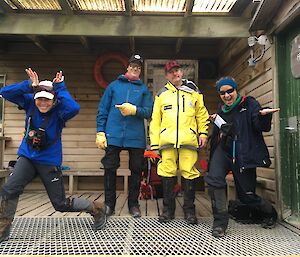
(42, 127)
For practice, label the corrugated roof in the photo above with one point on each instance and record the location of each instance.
(34, 4)
(171, 6)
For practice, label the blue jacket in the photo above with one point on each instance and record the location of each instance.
(124, 131)
(64, 109)
(248, 125)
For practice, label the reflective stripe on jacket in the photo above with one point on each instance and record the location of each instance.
(179, 117)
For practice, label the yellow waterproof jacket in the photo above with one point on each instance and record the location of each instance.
(179, 117)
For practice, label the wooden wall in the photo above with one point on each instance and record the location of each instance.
(79, 149)
(258, 82)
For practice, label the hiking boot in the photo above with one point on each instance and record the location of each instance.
(5, 225)
(99, 214)
(135, 212)
(218, 232)
(165, 217)
(268, 223)
(191, 218)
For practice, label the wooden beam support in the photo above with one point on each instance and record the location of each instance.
(264, 14)
(188, 12)
(132, 44)
(189, 8)
(128, 8)
(3, 46)
(85, 42)
(240, 6)
(135, 26)
(66, 8)
(5, 8)
(39, 42)
(178, 45)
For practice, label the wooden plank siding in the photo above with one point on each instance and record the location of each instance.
(79, 149)
(258, 82)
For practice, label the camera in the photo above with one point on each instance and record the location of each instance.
(36, 138)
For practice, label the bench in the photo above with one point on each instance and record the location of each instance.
(93, 173)
(3, 175)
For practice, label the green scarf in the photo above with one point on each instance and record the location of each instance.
(227, 108)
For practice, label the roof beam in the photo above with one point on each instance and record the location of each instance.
(189, 8)
(66, 8)
(264, 14)
(39, 42)
(85, 42)
(135, 26)
(128, 10)
(132, 44)
(188, 12)
(5, 8)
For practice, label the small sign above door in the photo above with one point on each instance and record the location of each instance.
(295, 57)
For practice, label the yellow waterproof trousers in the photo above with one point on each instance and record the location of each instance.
(184, 159)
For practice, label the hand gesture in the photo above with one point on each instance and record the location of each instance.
(33, 76)
(58, 77)
(212, 117)
(267, 111)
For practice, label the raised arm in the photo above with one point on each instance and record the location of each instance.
(68, 107)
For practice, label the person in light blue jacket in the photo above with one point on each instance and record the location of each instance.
(48, 105)
(120, 126)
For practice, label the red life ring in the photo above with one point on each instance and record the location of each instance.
(101, 60)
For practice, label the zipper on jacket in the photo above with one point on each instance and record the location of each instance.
(183, 103)
(127, 95)
(177, 125)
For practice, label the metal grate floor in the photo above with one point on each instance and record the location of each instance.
(144, 236)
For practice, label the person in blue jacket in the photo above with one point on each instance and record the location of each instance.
(124, 105)
(237, 145)
(48, 106)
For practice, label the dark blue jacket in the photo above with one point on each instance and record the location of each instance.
(124, 131)
(64, 109)
(248, 125)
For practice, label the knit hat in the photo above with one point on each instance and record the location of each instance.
(136, 58)
(226, 81)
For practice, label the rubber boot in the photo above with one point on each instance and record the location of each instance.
(7, 212)
(169, 203)
(189, 198)
(220, 210)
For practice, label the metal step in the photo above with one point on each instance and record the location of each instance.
(144, 236)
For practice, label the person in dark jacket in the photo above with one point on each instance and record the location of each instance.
(237, 145)
(124, 105)
(48, 106)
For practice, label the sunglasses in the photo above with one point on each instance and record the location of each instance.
(229, 91)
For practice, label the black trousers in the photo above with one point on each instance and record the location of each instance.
(25, 171)
(245, 180)
(111, 162)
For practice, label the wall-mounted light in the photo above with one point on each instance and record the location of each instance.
(253, 40)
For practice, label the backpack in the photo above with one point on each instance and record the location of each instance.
(243, 213)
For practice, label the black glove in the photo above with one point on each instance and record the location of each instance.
(227, 136)
(227, 129)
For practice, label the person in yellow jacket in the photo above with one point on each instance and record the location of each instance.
(178, 128)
